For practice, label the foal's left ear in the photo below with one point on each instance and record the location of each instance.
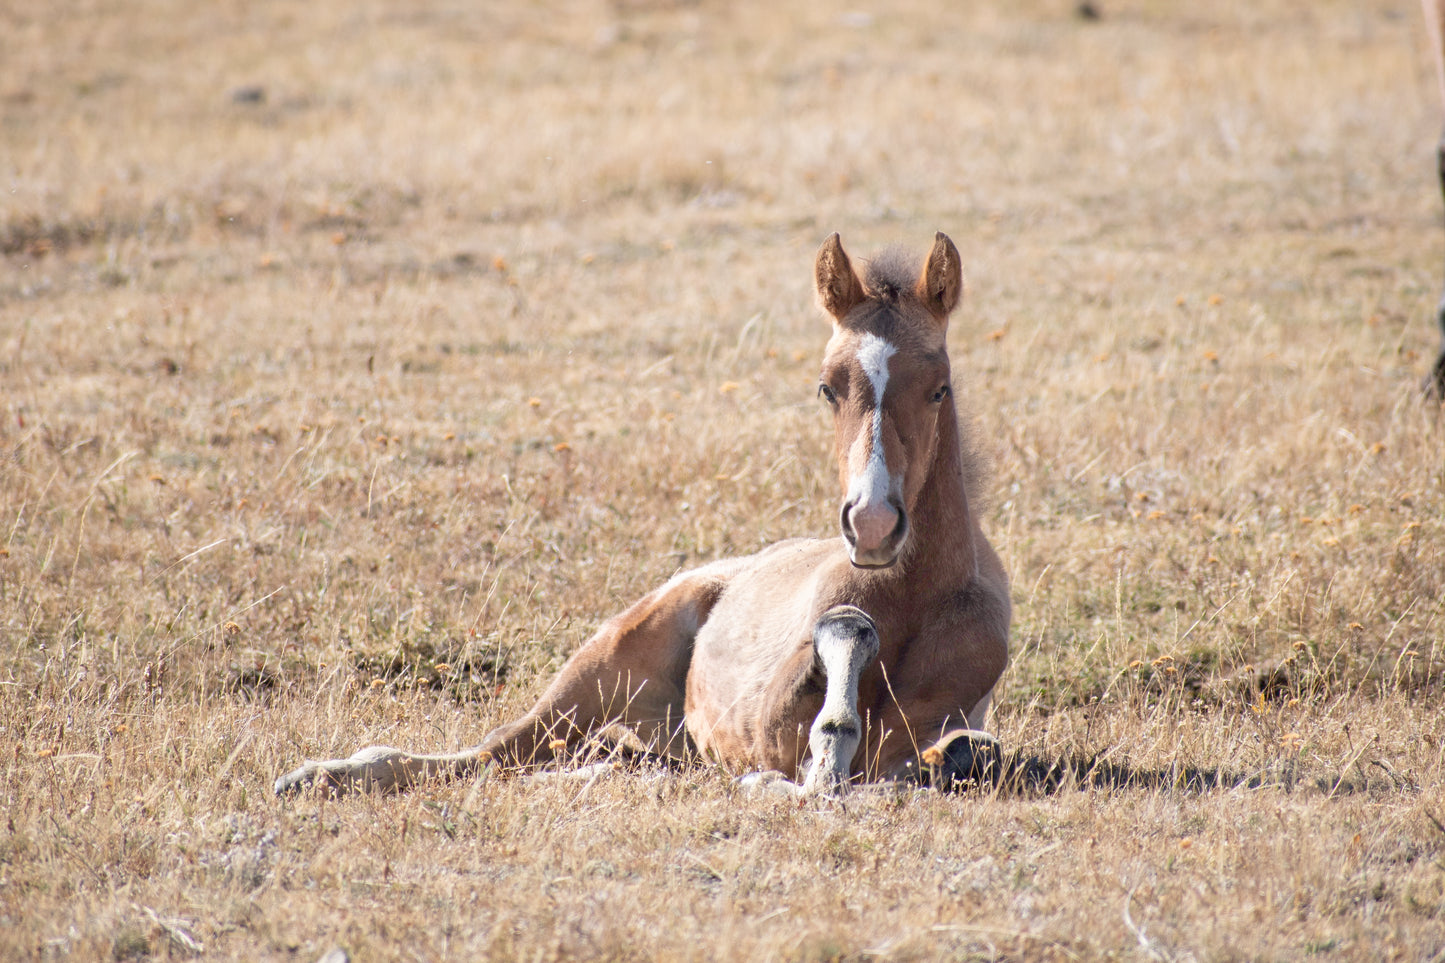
(839, 290)
(940, 286)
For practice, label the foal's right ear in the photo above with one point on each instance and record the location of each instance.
(940, 286)
(839, 290)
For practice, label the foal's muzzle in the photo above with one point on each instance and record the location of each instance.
(875, 533)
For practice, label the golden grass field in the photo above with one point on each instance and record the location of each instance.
(357, 359)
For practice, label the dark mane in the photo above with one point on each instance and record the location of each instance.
(892, 273)
(977, 470)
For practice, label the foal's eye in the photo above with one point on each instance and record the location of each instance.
(827, 395)
(940, 394)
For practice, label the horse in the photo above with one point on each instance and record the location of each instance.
(890, 636)
(1435, 27)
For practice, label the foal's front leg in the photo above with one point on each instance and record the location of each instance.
(845, 642)
(632, 672)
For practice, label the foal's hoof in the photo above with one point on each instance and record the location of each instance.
(964, 759)
(297, 779)
(848, 622)
(374, 769)
(317, 774)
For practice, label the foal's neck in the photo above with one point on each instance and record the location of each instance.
(942, 549)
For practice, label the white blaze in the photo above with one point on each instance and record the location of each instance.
(872, 485)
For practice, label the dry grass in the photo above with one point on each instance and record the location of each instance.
(340, 413)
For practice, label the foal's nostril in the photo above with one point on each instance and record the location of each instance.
(901, 529)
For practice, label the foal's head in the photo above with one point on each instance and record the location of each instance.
(886, 377)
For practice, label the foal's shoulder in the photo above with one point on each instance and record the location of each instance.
(984, 600)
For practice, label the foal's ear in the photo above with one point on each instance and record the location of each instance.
(839, 290)
(940, 286)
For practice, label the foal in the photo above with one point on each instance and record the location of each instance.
(891, 636)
